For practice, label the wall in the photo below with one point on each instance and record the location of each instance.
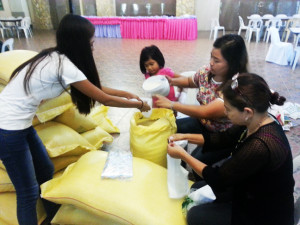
(19, 8)
(105, 8)
(6, 12)
(205, 10)
(41, 14)
(184, 7)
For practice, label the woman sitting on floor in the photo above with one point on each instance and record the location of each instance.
(260, 169)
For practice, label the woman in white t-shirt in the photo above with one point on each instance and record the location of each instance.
(45, 76)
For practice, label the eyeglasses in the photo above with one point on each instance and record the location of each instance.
(235, 87)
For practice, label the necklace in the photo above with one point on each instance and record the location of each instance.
(257, 127)
(246, 133)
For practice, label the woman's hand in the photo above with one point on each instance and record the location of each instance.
(129, 96)
(177, 137)
(175, 151)
(145, 106)
(169, 80)
(163, 102)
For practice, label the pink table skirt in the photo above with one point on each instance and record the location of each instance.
(168, 28)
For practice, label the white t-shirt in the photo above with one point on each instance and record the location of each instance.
(17, 109)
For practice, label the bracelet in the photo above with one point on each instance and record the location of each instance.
(172, 105)
(141, 105)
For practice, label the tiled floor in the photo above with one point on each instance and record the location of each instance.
(117, 61)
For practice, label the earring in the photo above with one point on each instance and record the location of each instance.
(246, 119)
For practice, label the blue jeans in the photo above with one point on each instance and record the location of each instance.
(28, 166)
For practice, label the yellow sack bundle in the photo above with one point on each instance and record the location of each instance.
(82, 123)
(2, 86)
(62, 162)
(97, 137)
(99, 115)
(54, 107)
(5, 182)
(69, 214)
(8, 209)
(10, 60)
(149, 136)
(7, 186)
(142, 200)
(59, 163)
(61, 140)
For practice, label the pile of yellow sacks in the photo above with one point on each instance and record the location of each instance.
(71, 140)
(65, 133)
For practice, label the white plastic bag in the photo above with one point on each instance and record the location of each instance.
(197, 197)
(118, 165)
(178, 186)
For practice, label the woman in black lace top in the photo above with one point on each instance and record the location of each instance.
(259, 171)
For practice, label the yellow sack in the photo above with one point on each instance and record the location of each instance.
(69, 214)
(78, 122)
(62, 162)
(82, 123)
(61, 140)
(8, 209)
(149, 136)
(1, 165)
(5, 182)
(54, 107)
(99, 115)
(2, 86)
(10, 60)
(97, 136)
(142, 200)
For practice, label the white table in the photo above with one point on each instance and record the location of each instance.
(296, 32)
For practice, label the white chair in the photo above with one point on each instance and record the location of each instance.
(254, 16)
(25, 26)
(3, 29)
(242, 26)
(297, 55)
(267, 16)
(286, 32)
(215, 27)
(255, 25)
(274, 22)
(279, 52)
(296, 16)
(27, 18)
(8, 43)
(294, 22)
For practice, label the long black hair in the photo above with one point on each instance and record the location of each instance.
(234, 51)
(251, 90)
(73, 38)
(151, 52)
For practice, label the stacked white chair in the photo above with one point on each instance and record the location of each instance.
(25, 26)
(8, 43)
(286, 32)
(242, 26)
(3, 29)
(297, 56)
(215, 27)
(279, 52)
(255, 25)
(274, 22)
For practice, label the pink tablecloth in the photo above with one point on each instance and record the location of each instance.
(169, 28)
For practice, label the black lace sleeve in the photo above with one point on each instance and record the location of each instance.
(263, 151)
(222, 140)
